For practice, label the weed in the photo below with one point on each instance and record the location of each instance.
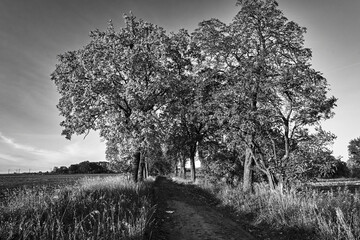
(323, 215)
(93, 208)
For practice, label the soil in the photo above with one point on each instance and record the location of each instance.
(185, 212)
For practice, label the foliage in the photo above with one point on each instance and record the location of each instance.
(313, 159)
(115, 84)
(223, 166)
(247, 86)
(354, 157)
(60, 170)
(85, 167)
(269, 94)
(107, 208)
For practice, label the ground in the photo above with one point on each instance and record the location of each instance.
(187, 213)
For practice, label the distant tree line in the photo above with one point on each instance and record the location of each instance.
(241, 97)
(85, 167)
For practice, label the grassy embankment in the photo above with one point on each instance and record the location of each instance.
(93, 208)
(306, 214)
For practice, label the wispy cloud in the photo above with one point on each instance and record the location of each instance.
(23, 147)
(344, 67)
(15, 154)
(8, 157)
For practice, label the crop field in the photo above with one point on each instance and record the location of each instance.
(9, 182)
(27, 180)
(74, 207)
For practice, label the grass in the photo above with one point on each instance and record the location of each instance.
(11, 181)
(93, 208)
(305, 214)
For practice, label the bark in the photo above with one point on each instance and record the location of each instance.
(192, 166)
(192, 163)
(142, 169)
(200, 153)
(183, 167)
(146, 169)
(136, 163)
(247, 179)
(270, 179)
(176, 169)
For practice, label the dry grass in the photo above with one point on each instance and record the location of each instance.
(320, 215)
(93, 208)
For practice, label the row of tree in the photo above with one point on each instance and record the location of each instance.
(85, 167)
(243, 92)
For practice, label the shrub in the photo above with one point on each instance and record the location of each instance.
(223, 166)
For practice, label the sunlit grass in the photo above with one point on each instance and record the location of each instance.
(323, 215)
(93, 208)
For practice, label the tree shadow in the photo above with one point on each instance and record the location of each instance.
(168, 189)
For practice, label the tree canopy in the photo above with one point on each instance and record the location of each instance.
(244, 92)
(354, 151)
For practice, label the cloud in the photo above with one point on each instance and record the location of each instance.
(344, 67)
(15, 155)
(23, 147)
(8, 157)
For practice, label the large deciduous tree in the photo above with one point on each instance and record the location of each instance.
(270, 94)
(115, 84)
(242, 90)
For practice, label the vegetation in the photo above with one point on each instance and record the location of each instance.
(245, 88)
(84, 168)
(242, 98)
(87, 167)
(290, 213)
(93, 208)
(354, 157)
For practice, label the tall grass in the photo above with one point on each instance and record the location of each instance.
(322, 215)
(100, 208)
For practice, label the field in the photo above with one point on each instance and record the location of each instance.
(28, 180)
(110, 207)
(9, 182)
(74, 207)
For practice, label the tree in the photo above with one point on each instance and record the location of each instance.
(188, 111)
(270, 93)
(244, 92)
(115, 84)
(354, 151)
(313, 159)
(354, 157)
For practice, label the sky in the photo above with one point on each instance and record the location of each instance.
(33, 33)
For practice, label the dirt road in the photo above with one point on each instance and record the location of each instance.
(188, 213)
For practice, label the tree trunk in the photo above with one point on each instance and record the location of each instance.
(192, 163)
(142, 169)
(247, 171)
(270, 178)
(183, 167)
(200, 153)
(136, 163)
(146, 169)
(192, 167)
(176, 169)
